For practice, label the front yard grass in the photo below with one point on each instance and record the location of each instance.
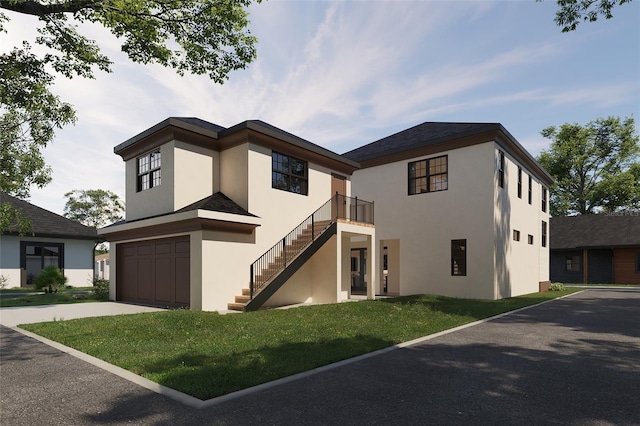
(62, 297)
(205, 354)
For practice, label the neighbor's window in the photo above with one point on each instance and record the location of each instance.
(149, 173)
(35, 256)
(544, 233)
(289, 174)
(428, 175)
(530, 189)
(459, 257)
(544, 199)
(573, 263)
(516, 235)
(519, 182)
(501, 169)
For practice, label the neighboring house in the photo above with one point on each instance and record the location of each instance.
(461, 210)
(210, 210)
(596, 249)
(101, 267)
(53, 240)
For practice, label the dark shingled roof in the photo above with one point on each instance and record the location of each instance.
(47, 224)
(595, 231)
(429, 133)
(217, 202)
(200, 123)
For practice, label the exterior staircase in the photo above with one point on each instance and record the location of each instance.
(278, 264)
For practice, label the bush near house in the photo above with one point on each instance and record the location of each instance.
(50, 279)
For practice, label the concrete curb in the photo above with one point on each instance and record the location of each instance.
(194, 402)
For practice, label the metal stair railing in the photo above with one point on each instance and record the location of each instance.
(276, 259)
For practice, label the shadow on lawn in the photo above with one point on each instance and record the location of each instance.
(208, 376)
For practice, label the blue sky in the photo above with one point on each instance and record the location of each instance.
(343, 74)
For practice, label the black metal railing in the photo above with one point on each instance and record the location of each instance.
(276, 259)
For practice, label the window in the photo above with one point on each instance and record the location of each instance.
(428, 175)
(35, 256)
(544, 233)
(573, 263)
(149, 173)
(530, 239)
(501, 169)
(544, 199)
(516, 235)
(519, 182)
(289, 174)
(530, 189)
(638, 262)
(459, 258)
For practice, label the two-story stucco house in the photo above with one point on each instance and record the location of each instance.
(461, 210)
(235, 218)
(252, 216)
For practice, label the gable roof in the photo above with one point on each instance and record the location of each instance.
(594, 231)
(433, 137)
(47, 224)
(217, 202)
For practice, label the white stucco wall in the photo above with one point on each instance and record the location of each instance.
(152, 201)
(423, 225)
(193, 174)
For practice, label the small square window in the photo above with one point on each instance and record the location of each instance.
(573, 263)
(516, 235)
(530, 239)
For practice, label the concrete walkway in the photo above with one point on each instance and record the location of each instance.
(572, 361)
(10, 317)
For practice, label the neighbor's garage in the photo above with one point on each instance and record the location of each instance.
(154, 272)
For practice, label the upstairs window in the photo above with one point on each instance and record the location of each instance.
(544, 199)
(149, 173)
(519, 182)
(530, 189)
(428, 175)
(459, 258)
(501, 169)
(289, 174)
(516, 235)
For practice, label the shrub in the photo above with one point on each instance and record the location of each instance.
(556, 287)
(101, 288)
(50, 279)
(3, 281)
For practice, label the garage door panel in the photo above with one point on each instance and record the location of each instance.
(183, 280)
(145, 279)
(163, 279)
(154, 272)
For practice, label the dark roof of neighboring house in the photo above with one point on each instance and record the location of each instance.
(47, 224)
(595, 231)
(217, 202)
(429, 133)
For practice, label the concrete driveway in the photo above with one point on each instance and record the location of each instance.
(573, 361)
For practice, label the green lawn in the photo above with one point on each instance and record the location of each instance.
(205, 354)
(62, 297)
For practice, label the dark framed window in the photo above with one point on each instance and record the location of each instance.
(519, 182)
(459, 258)
(573, 263)
(516, 235)
(149, 173)
(430, 175)
(289, 174)
(544, 234)
(501, 169)
(35, 256)
(530, 239)
(638, 262)
(530, 195)
(544, 199)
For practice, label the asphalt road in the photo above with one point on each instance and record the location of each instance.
(573, 361)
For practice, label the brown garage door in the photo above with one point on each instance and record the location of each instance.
(154, 272)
